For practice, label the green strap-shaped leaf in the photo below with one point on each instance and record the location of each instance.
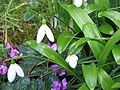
(84, 87)
(105, 80)
(108, 47)
(112, 15)
(64, 40)
(90, 75)
(90, 30)
(91, 8)
(50, 53)
(116, 85)
(116, 53)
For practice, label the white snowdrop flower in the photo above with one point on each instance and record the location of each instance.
(72, 60)
(78, 3)
(44, 29)
(13, 70)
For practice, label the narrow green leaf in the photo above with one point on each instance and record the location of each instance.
(112, 15)
(105, 80)
(89, 29)
(116, 85)
(14, 24)
(90, 75)
(108, 47)
(116, 53)
(84, 87)
(50, 53)
(106, 28)
(91, 8)
(64, 40)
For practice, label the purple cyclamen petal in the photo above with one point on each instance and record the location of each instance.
(86, 4)
(55, 84)
(53, 66)
(54, 46)
(62, 73)
(8, 46)
(64, 84)
(49, 44)
(3, 69)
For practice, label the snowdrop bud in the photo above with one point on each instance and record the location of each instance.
(72, 60)
(13, 70)
(78, 3)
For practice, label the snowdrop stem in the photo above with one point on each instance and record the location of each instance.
(12, 61)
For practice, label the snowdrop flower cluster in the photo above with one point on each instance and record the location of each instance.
(13, 70)
(72, 60)
(44, 29)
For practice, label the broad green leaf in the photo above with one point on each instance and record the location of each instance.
(106, 28)
(27, 16)
(90, 75)
(112, 15)
(108, 47)
(91, 8)
(89, 29)
(34, 4)
(103, 4)
(84, 87)
(116, 85)
(105, 80)
(116, 53)
(56, 58)
(64, 40)
(31, 43)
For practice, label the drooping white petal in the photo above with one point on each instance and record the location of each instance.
(11, 73)
(19, 70)
(78, 3)
(67, 59)
(49, 33)
(75, 57)
(40, 34)
(72, 62)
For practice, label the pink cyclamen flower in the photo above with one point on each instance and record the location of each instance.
(3, 69)
(53, 46)
(60, 73)
(59, 85)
